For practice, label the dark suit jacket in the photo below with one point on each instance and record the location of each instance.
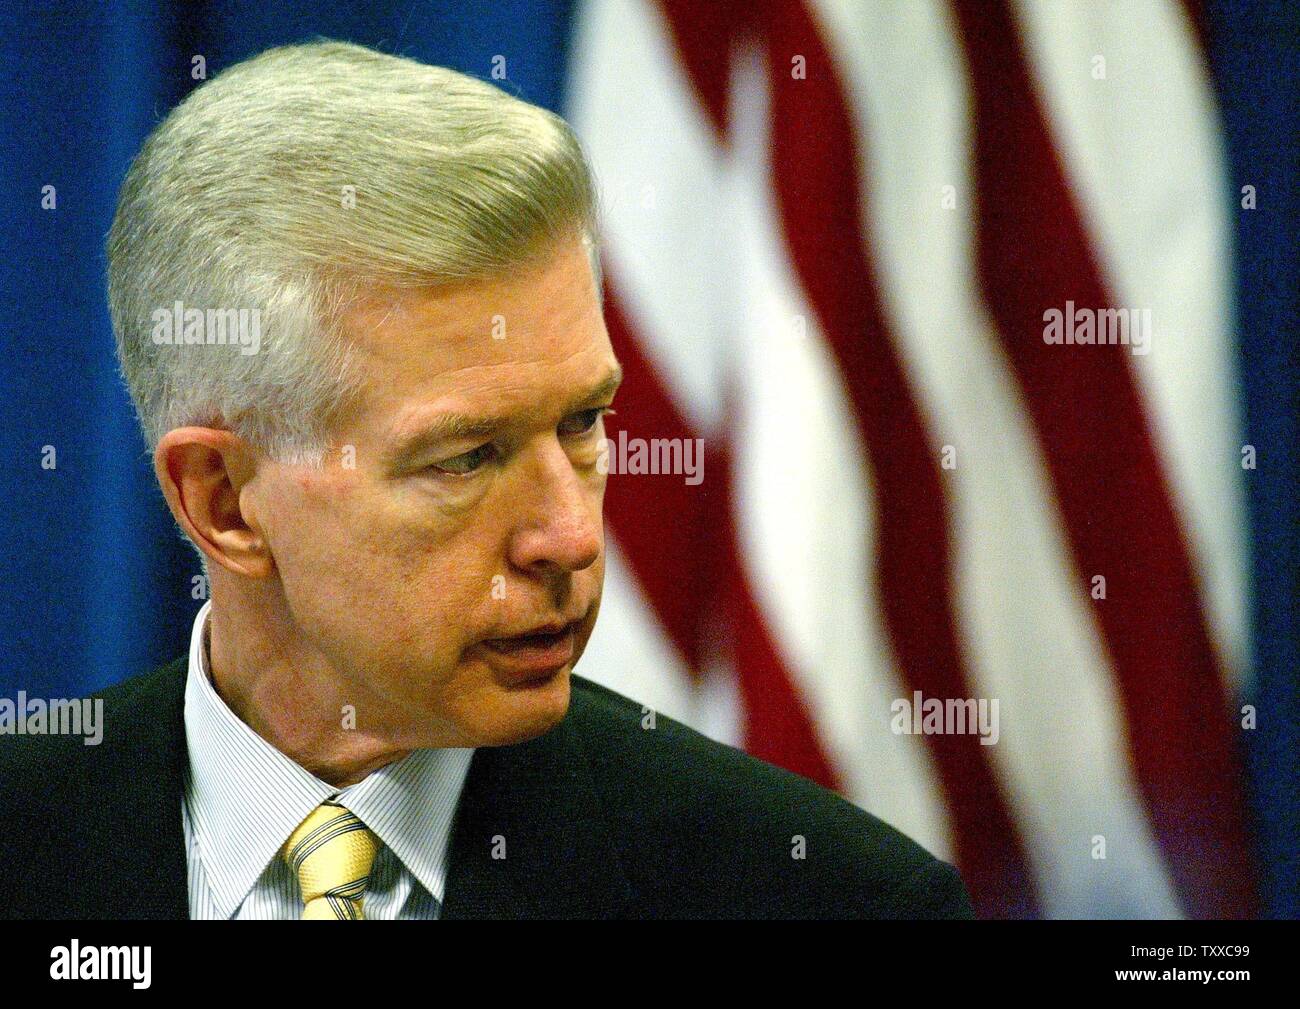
(602, 819)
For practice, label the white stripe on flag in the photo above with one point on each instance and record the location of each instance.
(1143, 153)
(630, 652)
(805, 502)
(1032, 642)
(656, 163)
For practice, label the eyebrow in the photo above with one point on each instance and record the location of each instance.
(463, 427)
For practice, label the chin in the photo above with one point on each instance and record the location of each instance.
(520, 712)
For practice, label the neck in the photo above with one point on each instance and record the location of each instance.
(286, 690)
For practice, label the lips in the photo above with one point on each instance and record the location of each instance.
(537, 654)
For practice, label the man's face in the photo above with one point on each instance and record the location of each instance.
(459, 509)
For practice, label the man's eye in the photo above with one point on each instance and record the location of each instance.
(466, 462)
(582, 423)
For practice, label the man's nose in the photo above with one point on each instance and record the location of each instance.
(561, 524)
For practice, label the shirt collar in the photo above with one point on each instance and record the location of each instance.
(245, 797)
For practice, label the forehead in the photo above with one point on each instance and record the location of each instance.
(497, 346)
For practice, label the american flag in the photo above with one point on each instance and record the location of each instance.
(834, 236)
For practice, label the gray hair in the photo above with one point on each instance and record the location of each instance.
(287, 184)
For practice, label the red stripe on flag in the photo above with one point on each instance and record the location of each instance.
(1034, 255)
(817, 165)
(1200, 28)
(816, 177)
(704, 34)
(659, 520)
(778, 726)
(681, 544)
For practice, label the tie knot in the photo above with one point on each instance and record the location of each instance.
(331, 853)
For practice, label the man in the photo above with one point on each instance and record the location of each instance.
(357, 304)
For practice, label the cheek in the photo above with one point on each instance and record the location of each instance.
(421, 586)
(451, 564)
(313, 531)
(338, 559)
(593, 582)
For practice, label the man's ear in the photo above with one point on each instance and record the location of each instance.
(202, 472)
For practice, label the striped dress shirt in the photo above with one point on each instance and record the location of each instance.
(243, 798)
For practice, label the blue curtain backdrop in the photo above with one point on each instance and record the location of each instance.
(96, 582)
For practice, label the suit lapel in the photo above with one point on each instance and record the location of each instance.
(131, 823)
(529, 839)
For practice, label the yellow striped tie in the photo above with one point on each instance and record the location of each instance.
(331, 853)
